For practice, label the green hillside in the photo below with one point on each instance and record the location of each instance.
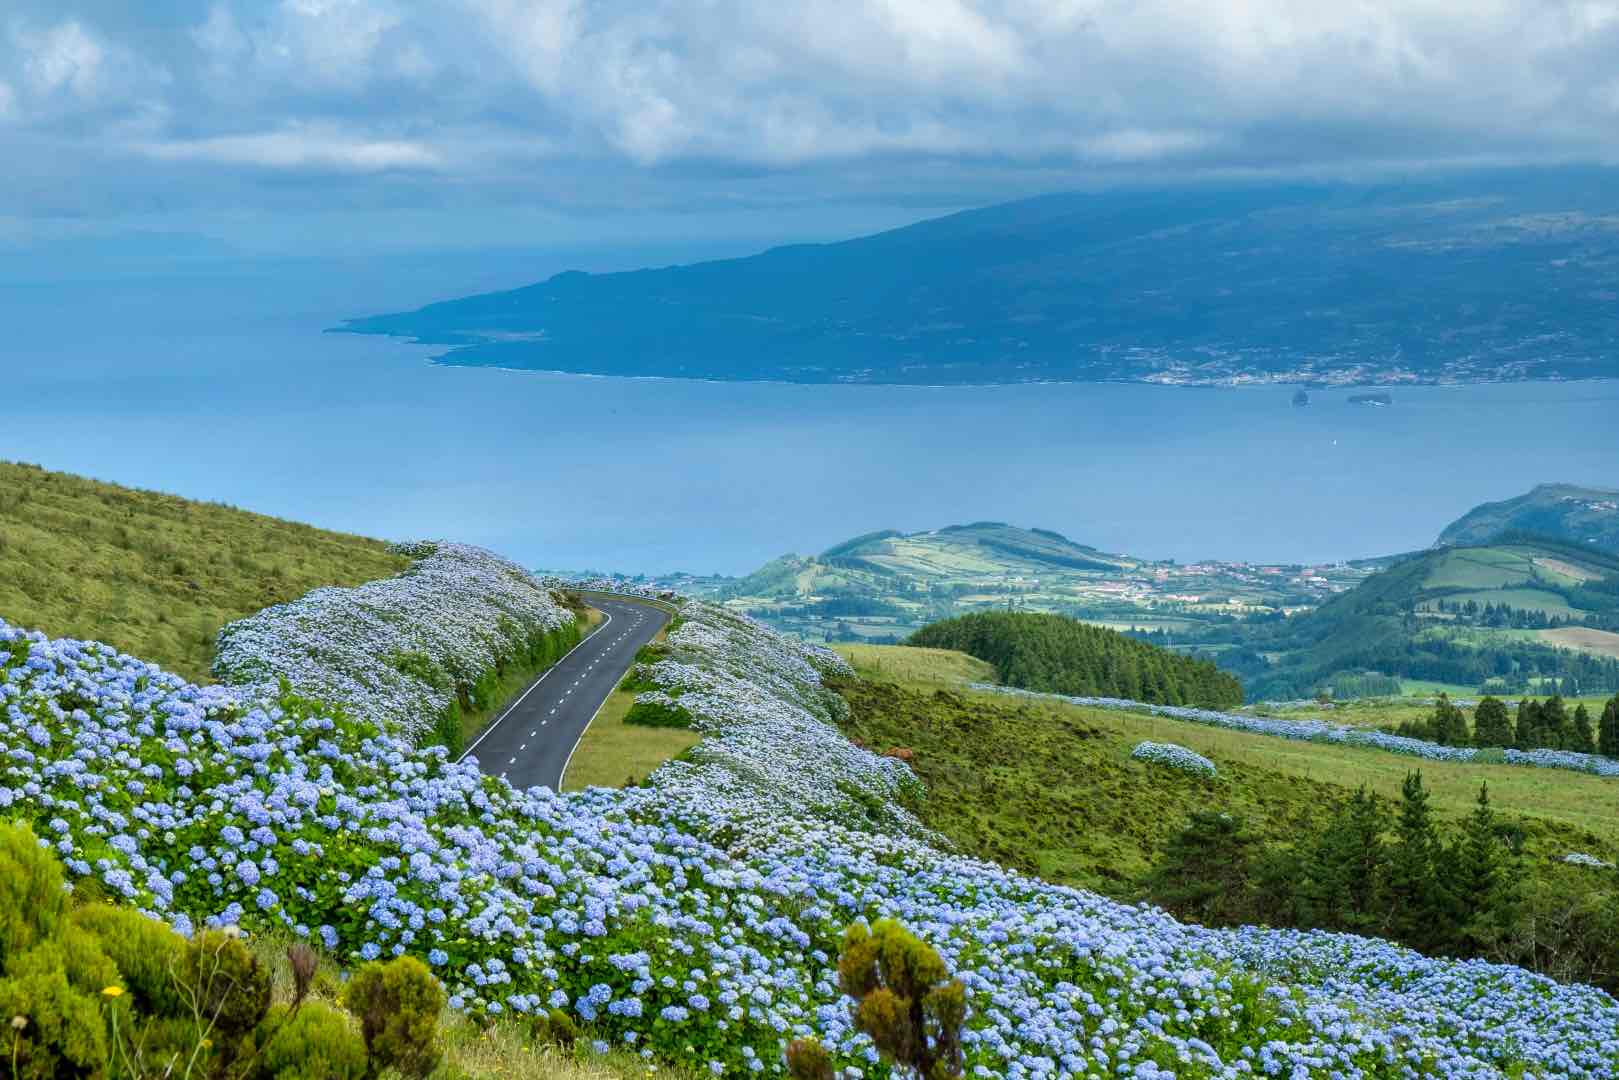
(1500, 617)
(152, 574)
(1578, 515)
(883, 585)
(1051, 653)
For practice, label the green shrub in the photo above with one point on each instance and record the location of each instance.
(905, 998)
(398, 1004)
(555, 1027)
(316, 1042)
(229, 986)
(62, 1031)
(658, 714)
(147, 953)
(31, 898)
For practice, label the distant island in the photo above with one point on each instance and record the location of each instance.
(1485, 278)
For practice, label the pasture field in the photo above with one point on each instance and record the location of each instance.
(156, 575)
(1050, 788)
(1585, 639)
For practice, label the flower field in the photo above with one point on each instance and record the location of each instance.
(396, 649)
(1321, 731)
(695, 919)
(1174, 756)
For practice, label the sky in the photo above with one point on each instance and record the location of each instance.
(380, 125)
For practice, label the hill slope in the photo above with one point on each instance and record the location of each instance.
(156, 574)
(883, 585)
(1579, 515)
(1049, 652)
(1490, 276)
(1462, 615)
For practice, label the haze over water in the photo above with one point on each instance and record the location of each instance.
(213, 379)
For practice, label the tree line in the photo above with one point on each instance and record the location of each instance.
(1535, 725)
(1060, 655)
(1393, 871)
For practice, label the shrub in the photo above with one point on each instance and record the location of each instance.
(230, 988)
(905, 998)
(148, 954)
(807, 1059)
(657, 709)
(62, 1031)
(398, 1004)
(555, 1027)
(31, 898)
(315, 1042)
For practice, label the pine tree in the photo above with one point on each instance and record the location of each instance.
(1554, 723)
(1413, 892)
(1526, 735)
(1491, 724)
(1449, 726)
(1203, 876)
(1608, 739)
(1476, 866)
(1580, 736)
(1344, 870)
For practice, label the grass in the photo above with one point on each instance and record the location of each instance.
(152, 574)
(944, 667)
(612, 753)
(503, 1050)
(1050, 788)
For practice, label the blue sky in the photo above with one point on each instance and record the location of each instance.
(386, 125)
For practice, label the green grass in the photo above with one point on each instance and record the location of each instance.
(1050, 788)
(156, 575)
(612, 753)
(945, 667)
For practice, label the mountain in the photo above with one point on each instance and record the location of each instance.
(1504, 614)
(1503, 275)
(883, 585)
(1578, 515)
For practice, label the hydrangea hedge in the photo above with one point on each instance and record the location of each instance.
(410, 652)
(1175, 756)
(1322, 731)
(697, 918)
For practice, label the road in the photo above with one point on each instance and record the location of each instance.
(530, 743)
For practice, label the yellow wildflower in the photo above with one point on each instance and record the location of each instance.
(113, 991)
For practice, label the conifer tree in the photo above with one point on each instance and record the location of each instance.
(1580, 736)
(1203, 876)
(1413, 895)
(1526, 734)
(1344, 870)
(1554, 723)
(1448, 726)
(1476, 866)
(1491, 724)
(1608, 737)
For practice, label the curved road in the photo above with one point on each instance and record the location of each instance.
(529, 744)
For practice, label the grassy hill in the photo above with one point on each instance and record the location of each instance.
(884, 585)
(152, 574)
(1577, 515)
(1051, 788)
(1499, 614)
(1439, 279)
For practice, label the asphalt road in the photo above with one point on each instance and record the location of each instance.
(530, 743)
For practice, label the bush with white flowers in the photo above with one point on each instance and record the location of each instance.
(398, 650)
(1174, 756)
(698, 919)
(1322, 731)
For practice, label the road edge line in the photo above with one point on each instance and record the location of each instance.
(546, 674)
(563, 775)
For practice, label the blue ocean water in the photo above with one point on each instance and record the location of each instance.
(212, 378)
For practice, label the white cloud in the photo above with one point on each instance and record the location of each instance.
(63, 58)
(298, 149)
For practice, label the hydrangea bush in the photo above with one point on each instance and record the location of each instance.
(1175, 756)
(1322, 731)
(697, 918)
(395, 650)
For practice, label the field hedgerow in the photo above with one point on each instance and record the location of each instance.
(697, 919)
(1321, 731)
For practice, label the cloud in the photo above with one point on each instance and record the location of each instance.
(299, 149)
(603, 100)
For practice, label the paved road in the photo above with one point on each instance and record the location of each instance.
(529, 744)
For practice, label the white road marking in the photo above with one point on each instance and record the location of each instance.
(513, 761)
(523, 747)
